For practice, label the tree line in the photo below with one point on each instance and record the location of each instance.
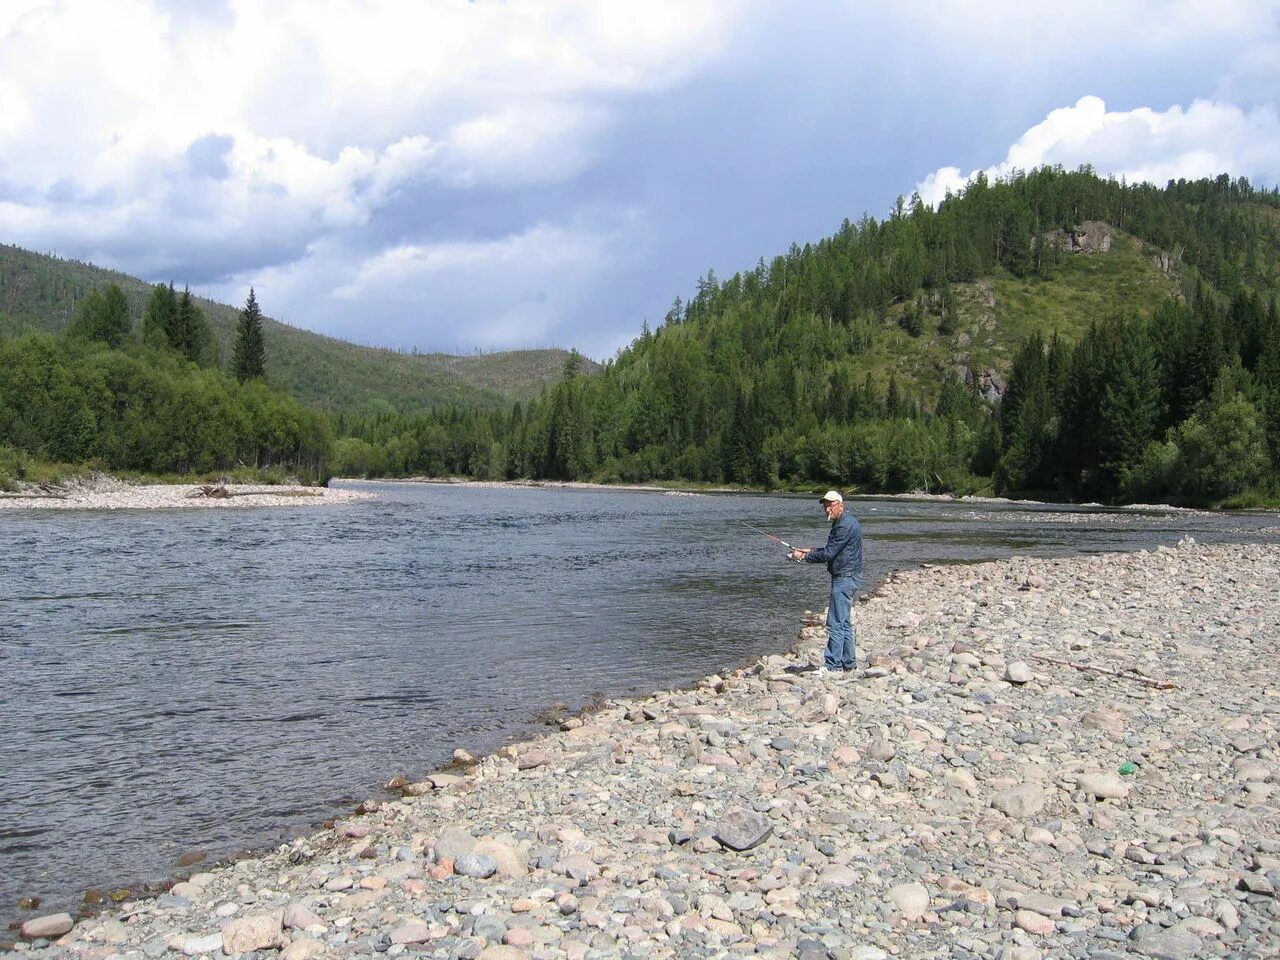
(155, 403)
(765, 378)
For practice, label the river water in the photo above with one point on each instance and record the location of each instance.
(219, 679)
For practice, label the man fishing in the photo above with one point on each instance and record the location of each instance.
(843, 557)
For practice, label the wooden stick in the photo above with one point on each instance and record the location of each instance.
(1129, 674)
(33, 496)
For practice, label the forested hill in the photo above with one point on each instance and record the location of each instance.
(40, 293)
(1135, 327)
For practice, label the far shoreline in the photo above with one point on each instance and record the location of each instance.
(685, 490)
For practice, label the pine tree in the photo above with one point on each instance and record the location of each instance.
(248, 356)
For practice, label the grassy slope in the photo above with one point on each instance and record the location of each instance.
(997, 314)
(39, 293)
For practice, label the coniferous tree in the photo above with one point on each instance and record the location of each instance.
(1131, 402)
(248, 355)
(191, 335)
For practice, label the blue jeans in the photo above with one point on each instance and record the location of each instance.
(841, 634)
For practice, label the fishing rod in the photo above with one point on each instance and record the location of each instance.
(776, 539)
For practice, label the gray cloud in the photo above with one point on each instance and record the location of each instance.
(511, 175)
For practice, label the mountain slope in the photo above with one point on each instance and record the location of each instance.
(40, 293)
(1130, 334)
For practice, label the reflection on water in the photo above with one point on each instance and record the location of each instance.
(246, 671)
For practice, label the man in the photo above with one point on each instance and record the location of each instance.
(843, 557)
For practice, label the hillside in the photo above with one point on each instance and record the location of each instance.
(995, 314)
(1054, 333)
(39, 293)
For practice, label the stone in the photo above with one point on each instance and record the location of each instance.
(740, 829)
(190, 859)
(298, 917)
(1018, 673)
(49, 926)
(910, 899)
(1171, 944)
(476, 865)
(1020, 802)
(531, 759)
(511, 862)
(1033, 922)
(198, 946)
(257, 931)
(1103, 786)
(453, 841)
(837, 875)
(304, 948)
(411, 932)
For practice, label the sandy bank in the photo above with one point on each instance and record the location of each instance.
(961, 797)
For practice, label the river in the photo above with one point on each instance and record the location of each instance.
(219, 679)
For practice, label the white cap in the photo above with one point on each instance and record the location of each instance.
(831, 496)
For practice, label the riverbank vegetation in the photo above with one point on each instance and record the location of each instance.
(99, 397)
(1136, 328)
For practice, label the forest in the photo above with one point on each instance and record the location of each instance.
(778, 376)
(157, 404)
(967, 348)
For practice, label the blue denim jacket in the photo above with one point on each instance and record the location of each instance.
(843, 552)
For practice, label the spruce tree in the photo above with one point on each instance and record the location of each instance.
(191, 334)
(248, 356)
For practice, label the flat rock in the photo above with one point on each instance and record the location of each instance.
(304, 948)
(1174, 943)
(51, 925)
(1020, 802)
(197, 946)
(740, 829)
(1104, 786)
(412, 932)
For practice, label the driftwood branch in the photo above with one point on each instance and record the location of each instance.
(33, 496)
(218, 492)
(1120, 674)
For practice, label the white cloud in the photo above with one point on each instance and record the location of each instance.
(1204, 139)
(125, 128)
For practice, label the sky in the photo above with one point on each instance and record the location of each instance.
(459, 176)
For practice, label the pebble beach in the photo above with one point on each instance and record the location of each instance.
(1041, 758)
(108, 493)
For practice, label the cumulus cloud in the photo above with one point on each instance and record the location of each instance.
(1205, 139)
(211, 140)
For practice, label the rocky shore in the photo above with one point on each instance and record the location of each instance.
(108, 493)
(960, 797)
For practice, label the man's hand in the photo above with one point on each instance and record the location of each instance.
(798, 554)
